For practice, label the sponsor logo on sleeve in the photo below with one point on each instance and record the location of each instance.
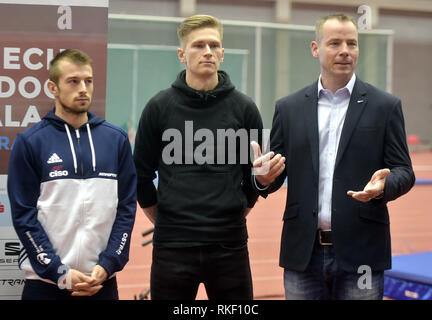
(122, 243)
(42, 258)
(107, 174)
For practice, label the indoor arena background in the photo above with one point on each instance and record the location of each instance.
(410, 222)
(267, 55)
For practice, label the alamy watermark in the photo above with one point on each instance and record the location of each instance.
(205, 146)
(65, 280)
(364, 22)
(365, 280)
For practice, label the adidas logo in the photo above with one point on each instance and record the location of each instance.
(54, 159)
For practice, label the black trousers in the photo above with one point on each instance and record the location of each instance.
(40, 290)
(176, 273)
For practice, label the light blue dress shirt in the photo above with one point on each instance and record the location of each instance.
(332, 110)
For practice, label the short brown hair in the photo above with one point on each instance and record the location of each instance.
(342, 17)
(196, 22)
(73, 55)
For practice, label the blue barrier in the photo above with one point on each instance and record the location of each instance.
(423, 181)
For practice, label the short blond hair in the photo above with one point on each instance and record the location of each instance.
(73, 55)
(196, 22)
(342, 17)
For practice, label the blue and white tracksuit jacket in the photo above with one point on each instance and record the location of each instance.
(73, 197)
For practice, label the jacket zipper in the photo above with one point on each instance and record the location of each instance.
(82, 211)
(79, 151)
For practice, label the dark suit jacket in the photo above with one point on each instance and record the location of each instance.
(373, 137)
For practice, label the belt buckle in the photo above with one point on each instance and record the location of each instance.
(320, 238)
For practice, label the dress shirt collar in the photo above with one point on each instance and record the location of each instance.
(349, 85)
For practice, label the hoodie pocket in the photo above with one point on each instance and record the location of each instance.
(210, 195)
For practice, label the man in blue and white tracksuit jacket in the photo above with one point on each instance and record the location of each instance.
(72, 190)
(72, 193)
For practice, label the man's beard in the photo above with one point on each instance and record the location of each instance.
(74, 110)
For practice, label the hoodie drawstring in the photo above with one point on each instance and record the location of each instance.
(72, 148)
(92, 148)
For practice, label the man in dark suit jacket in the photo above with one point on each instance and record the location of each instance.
(337, 135)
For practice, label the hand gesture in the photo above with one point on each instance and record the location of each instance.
(373, 189)
(266, 167)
